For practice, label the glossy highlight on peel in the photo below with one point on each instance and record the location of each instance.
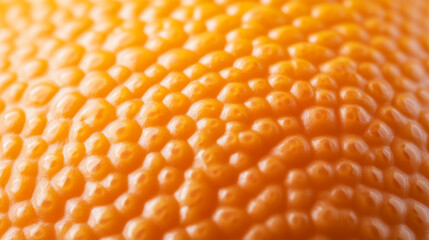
(214, 119)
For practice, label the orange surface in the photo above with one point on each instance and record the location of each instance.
(222, 119)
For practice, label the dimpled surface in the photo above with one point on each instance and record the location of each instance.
(214, 119)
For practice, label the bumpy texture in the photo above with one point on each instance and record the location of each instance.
(222, 119)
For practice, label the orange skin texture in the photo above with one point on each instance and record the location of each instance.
(214, 119)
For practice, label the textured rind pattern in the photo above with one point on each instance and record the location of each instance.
(222, 119)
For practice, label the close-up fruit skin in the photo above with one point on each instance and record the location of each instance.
(214, 119)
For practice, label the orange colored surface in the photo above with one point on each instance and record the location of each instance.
(221, 119)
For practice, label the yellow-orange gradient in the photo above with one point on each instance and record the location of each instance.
(219, 119)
